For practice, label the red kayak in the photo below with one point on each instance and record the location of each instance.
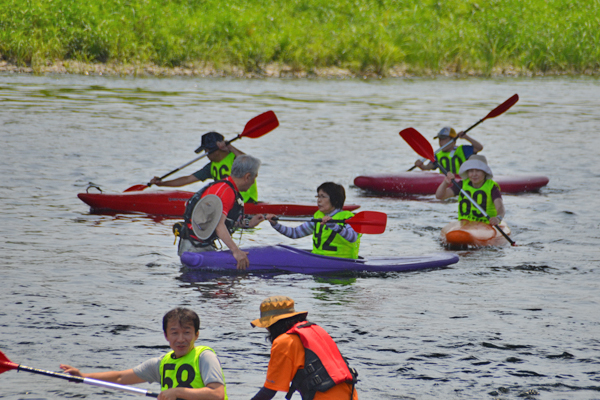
(425, 183)
(172, 204)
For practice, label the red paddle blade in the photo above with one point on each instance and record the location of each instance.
(418, 143)
(135, 188)
(6, 364)
(260, 125)
(502, 108)
(369, 222)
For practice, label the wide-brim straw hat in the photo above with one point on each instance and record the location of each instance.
(275, 308)
(475, 162)
(206, 216)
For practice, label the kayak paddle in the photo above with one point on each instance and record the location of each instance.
(369, 222)
(501, 109)
(255, 128)
(7, 365)
(420, 145)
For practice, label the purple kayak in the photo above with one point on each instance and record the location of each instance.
(290, 259)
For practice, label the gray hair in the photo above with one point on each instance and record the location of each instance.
(244, 164)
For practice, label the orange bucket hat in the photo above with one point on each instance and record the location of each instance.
(275, 308)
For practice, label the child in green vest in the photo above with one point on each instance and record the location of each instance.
(451, 157)
(329, 238)
(477, 182)
(187, 372)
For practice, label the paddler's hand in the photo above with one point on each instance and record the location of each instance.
(223, 145)
(70, 370)
(257, 219)
(419, 163)
(241, 258)
(495, 221)
(461, 134)
(331, 225)
(326, 219)
(169, 394)
(269, 217)
(155, 181)
(448, 178)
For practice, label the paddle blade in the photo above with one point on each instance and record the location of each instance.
(369, 222)
(135, 188)
(418, 143)
(502, 108)
(6, 364)
(260, 125)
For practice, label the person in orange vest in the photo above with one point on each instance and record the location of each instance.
(304, 357)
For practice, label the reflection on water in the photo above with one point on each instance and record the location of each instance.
(90, 290)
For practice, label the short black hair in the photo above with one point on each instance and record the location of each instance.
(337, 194)
(283, 325)
(183, 316)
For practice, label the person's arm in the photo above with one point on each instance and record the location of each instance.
(444, 191)
(228, 147)
(212, 391)
(126, 377)
(423, 166)
(345, 231)
(264, 394)
(305, 229)
(177, 182)
(477, 147)
(499, 204)
(223, 234)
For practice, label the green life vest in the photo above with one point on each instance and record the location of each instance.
(222, 169)
(184, 371)
(328, 243)
(482, 196)
(451, 160)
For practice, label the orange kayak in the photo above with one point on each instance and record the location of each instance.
(473, 234)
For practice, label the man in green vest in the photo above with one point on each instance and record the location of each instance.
(449, 156)
(221, 155)
(186, 372)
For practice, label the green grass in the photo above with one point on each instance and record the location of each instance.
(420, 36)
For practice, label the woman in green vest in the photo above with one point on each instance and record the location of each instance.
(452, 157)
(186, 372)
(330, 238)
(477, 182)
(221, 155)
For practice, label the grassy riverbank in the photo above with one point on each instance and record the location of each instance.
(374, 37)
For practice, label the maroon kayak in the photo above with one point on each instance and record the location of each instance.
(424, 183)
(172, 204)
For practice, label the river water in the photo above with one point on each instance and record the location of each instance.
(90, 290)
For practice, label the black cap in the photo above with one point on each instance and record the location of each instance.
(209, 142)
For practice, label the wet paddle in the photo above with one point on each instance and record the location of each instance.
(420, 145)
(368, 222)
(501, 109)
(7, 365)
(255, 128)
